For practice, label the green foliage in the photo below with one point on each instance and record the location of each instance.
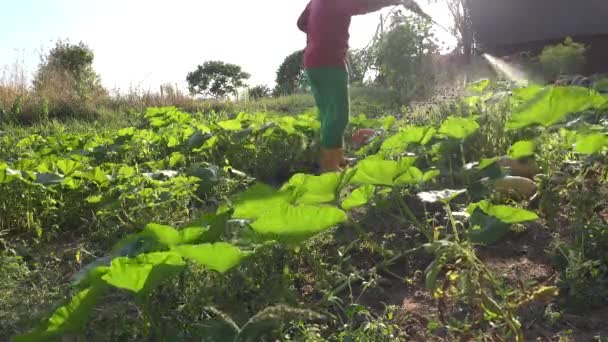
(68, 318)
(566, 58)
(551, 105)
(458, 127)
(591, 143)
(504, 213)
(217, 79)
(522, 149)
(359, 197)
(403, 58)
(290, 75)
(259, 92)
(222, 232)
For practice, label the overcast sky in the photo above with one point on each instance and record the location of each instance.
(144, 43)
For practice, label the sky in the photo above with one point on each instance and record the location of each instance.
(146, 43)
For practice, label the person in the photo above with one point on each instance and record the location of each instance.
(326, 24)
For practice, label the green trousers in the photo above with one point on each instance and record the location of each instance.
(330, 90)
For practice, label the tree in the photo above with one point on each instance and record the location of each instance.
(290, 75)
(403, 60)
(70, 67)
(259, 92)
(66, 84)
(563, 59)
(216, 79)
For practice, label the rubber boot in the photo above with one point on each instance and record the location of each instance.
(331, 160)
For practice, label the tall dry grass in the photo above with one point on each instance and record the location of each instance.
(13, 84)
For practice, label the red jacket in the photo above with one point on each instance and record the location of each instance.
(326, 24)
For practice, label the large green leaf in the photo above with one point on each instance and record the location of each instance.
(412, 176)
(219, 256)
(486, 229)
(458, 127)
(504, 213)
(289, 221)
(409, 135)
(308, 189)
(68, 318)
(257, 200)
(68, 167)
(143, 273)
(376, 172)
(551, 105)
(522, 149)
(359, 197)
(213, 225)
(166, 236)
(591, 143)
(231, 125)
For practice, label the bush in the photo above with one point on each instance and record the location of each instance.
(259, 92)
(65, 84)
(567, 58)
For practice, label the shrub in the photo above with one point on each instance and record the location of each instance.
(259, 92)
(65, 84)
(566, 58)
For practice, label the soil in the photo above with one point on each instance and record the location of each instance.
(519, 260)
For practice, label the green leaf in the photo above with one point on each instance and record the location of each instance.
(412, 176)
(94, 199)
(458, 127)
(409, 135)
(213, 227)
(257, 200)
(551, 105)
(479, 86)
(68, 318)
(219, 256)
(288, 221)
(176, 158)
(359, 197)
(126, 171)
(97, 176)
(486, 229)
(591, 143)
(430, 175)
(166, 236)
(504, 213)
(68, 167)
(143, 273)
(308, 189)
(375, 172)
(522, 149)
(443, 196)
(198, 139)
(487, 162)
(231, 125)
